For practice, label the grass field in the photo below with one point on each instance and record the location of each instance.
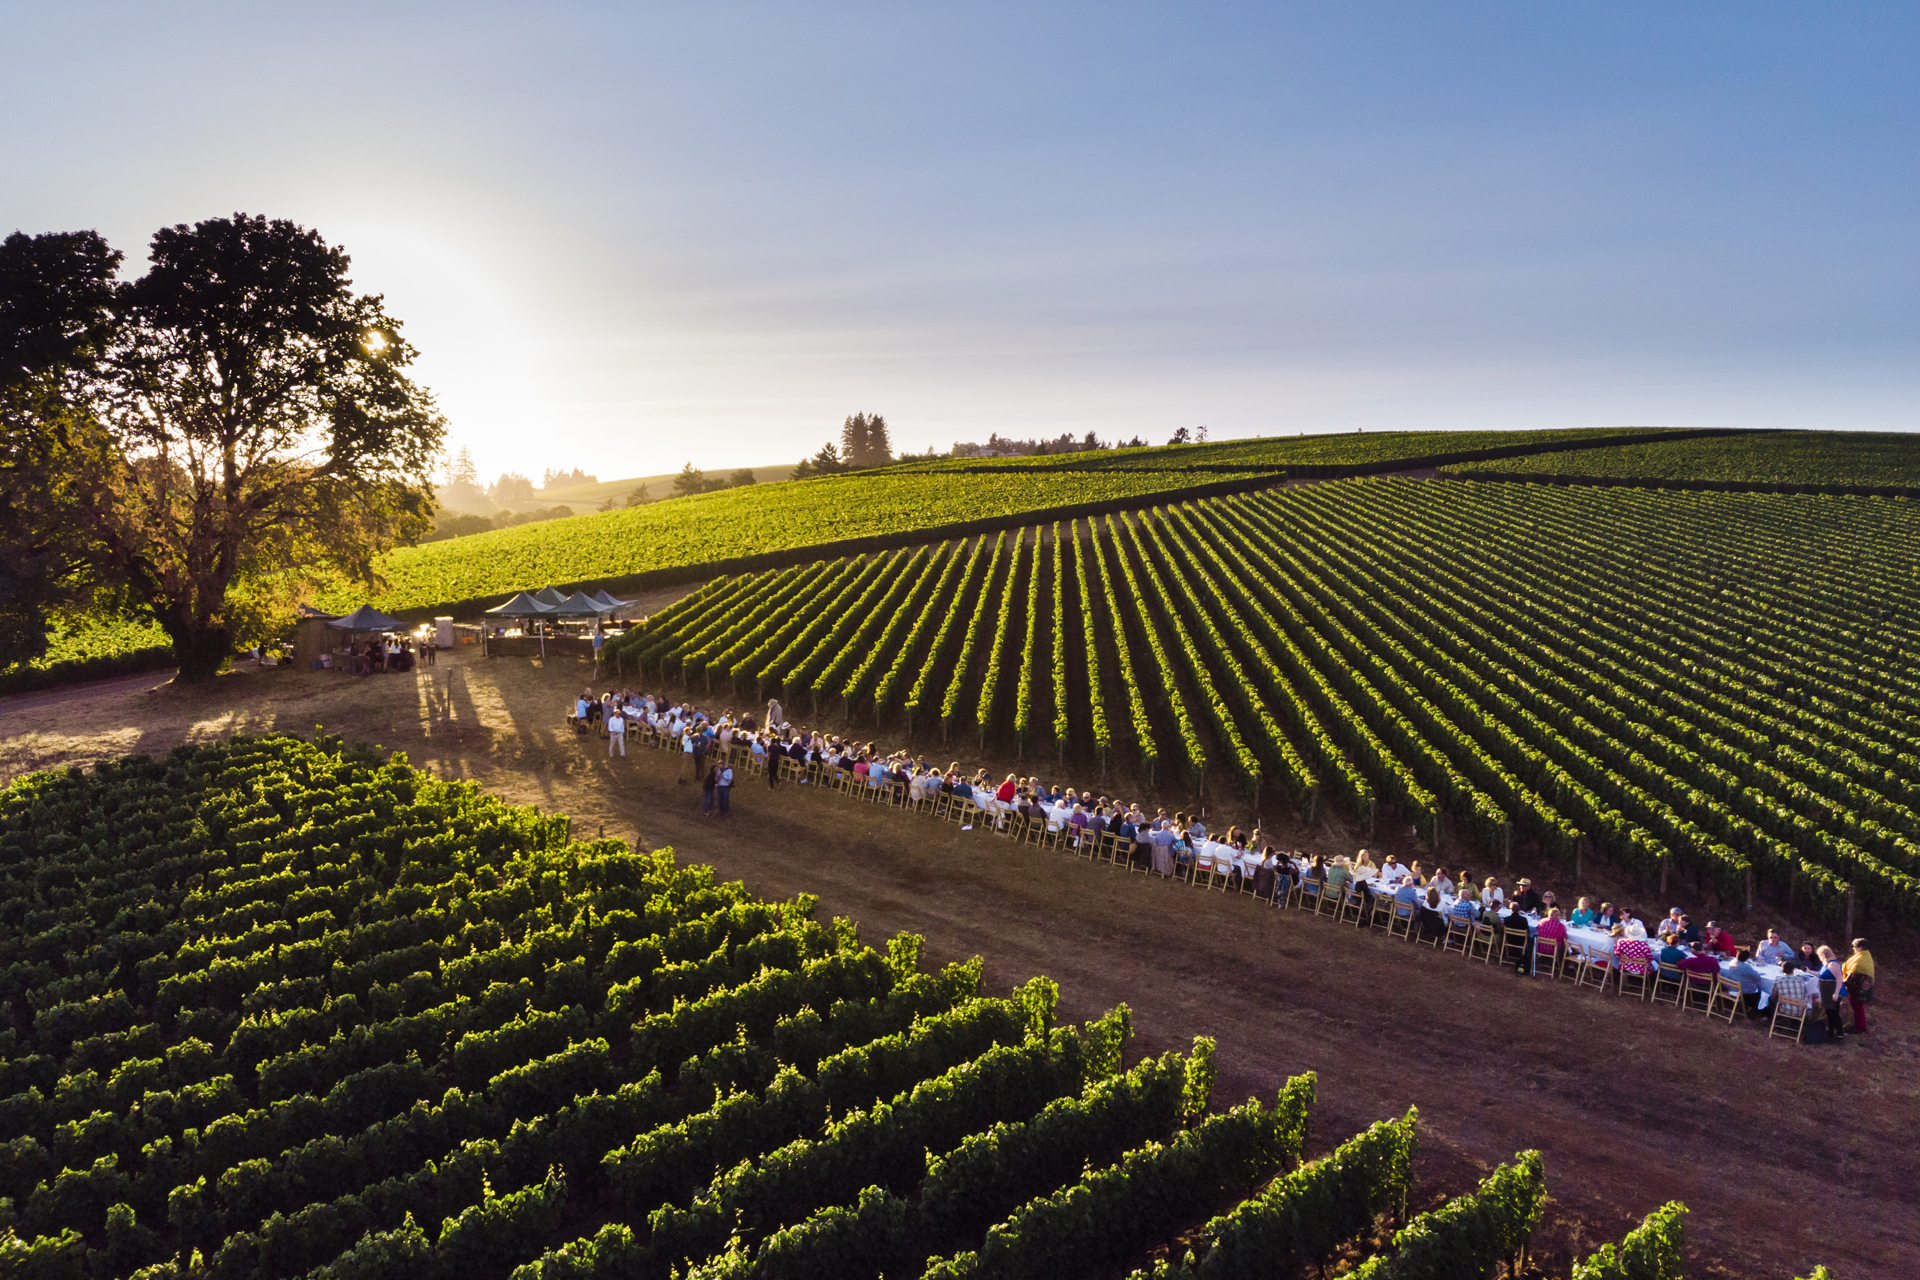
(1791, 460)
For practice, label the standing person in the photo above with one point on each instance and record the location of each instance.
(709, 782)
(1857, 972)
(776, 714)
(724, 788)
(616, 732)
(1833, 989)
(431, 648)
(687, 763)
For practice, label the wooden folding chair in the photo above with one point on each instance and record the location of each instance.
(1353, 906)
(1484, 944)
(1331, 896)
(1400, 918)
(1792, 1011)
(1312, 895)
(1699, 993)
(1725, 1001)
(1636, 979)
(1425, 938)
(1459, 932)
(1514, 940)
(1594, 971)
(1669, 986)
(1383, 904)
(1549, 957)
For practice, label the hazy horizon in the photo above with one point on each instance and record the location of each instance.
(631, 237)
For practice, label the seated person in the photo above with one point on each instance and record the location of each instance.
(1774, 950)
(1742, 971)
(1407, 893)
(1363, 865)
(1717, 940)
(1633, 955)
(1441, 881)
(1606, 917)
(1492, 896)
(1465, 911)
(1793, 986)
(1689, 931)
(1670, 925)
(1391, 872)
(1336, 875)
(1583, 915)
(1433, 924)
(1634, 928)
(1526, 900)
(1672, 953)
(1416, 876)
(1699, 966)
(1553, 926)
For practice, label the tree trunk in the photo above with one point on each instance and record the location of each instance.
(200, 651)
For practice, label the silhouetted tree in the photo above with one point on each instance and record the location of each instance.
(827, 462)
(864, 443)
(232, 421)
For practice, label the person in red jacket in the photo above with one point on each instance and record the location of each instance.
(1718, 940)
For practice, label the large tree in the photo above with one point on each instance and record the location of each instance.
(239, 426)
(55, 292)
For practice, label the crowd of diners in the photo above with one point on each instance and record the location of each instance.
(1435, 903)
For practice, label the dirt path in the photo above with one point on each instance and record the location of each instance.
(1786, 1155)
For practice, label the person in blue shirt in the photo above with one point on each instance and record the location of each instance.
(1465, 910)
(1742, 971)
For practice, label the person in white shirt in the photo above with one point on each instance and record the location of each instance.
(686, 756)
(616, 733)
(1634, 927)
(1442, 882)
(1391, 872)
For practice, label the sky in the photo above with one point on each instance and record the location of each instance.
(629, 236)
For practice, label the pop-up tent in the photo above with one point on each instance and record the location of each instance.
(580, 605)
(548, 596)
(522, 606)
(367, 618)
(528, 606)
(609, 601)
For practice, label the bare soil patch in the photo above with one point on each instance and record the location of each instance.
(1786, 1155)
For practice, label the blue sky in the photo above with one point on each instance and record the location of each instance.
(630, 236)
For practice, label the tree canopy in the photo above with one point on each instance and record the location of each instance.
(209, 438)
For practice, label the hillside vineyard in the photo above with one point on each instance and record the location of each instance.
(1718, 685)
(281, 1009)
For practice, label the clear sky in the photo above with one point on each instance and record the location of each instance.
(627, 236)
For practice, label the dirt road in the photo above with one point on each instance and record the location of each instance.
(1786, 1155)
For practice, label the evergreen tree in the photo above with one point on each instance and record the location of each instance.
(864, 443)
